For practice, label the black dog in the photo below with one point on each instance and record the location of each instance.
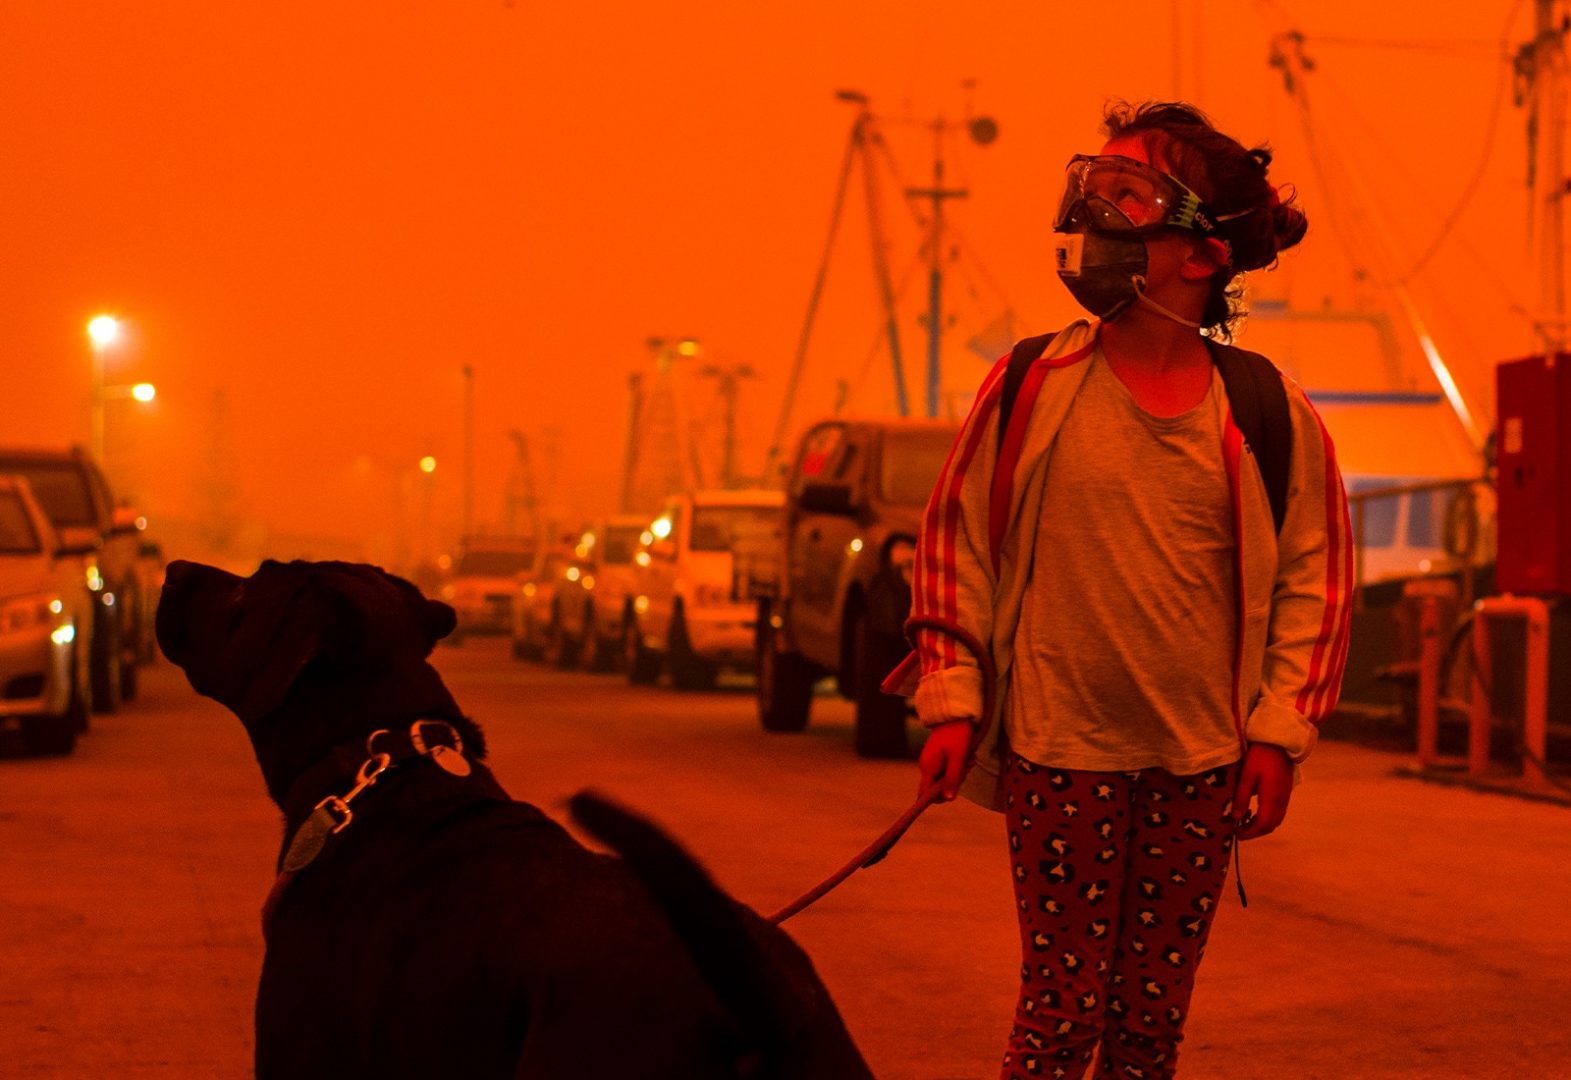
(443, 929)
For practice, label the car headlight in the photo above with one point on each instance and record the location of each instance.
(901, 555)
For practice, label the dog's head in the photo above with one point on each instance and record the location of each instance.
(247, 642)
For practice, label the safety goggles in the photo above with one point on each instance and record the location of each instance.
(1122, 195)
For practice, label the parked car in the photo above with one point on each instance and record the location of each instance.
(834, 590)
(484, 579)
(611, 546)
(74, 495)
(685, 613)
(547, 607)
(46, 683)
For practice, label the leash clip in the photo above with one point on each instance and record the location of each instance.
(338, 806)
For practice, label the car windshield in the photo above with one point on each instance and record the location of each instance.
(492, 563)
(723, 528)
(619, 544)
(60, 488)
(910, 465)
(17, 535)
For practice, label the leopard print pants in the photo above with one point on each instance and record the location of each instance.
(1117, 877)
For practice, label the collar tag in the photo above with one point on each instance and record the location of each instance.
(449, 757)
(309, 839)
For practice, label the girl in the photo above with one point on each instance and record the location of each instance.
(1165, 647)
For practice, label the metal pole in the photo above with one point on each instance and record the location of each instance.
(96, 407)
(1550, 112)
(935, 278)
(469, 449)
(862, 134)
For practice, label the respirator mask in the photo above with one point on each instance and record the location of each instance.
(1111, 204)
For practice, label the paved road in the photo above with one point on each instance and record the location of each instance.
(1395, 929)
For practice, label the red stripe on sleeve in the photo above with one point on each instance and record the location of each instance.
(1313, 685)
(952, 507)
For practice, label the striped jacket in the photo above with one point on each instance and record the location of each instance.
(1294, 591)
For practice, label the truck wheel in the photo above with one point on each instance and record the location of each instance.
(785, 681)
(130, 649)
(688, 670)
(57, 734)
(592, 653)
(104, 658)
(880, 717)
(81, 708)
(524, 647)
(643, 666)
(560, 650)
(49, 734)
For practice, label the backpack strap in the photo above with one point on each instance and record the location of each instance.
(1026, 352)
(1258, 400)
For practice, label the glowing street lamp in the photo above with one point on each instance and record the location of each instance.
(428, 464)
(103, 331)
(144, 392)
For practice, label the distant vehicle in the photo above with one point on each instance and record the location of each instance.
(77, 500)
(46, 609)
(834, 589)
(548, 604)
(611, 546)
(484, 579)
(685, 613)
(1409, 528)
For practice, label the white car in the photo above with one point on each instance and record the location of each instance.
(483, 583)
(46, 616)
(687, 614)
(611, 545)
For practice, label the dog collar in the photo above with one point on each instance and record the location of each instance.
(385, 750)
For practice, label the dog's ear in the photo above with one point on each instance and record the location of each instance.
(265, 686)
(437, 619)
(297, 623)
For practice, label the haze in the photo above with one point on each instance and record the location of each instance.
(312, 216)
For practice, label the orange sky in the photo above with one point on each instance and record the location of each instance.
(321, 211)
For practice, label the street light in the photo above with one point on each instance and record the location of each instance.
(144, 392)
(428, 464)
(103, 331)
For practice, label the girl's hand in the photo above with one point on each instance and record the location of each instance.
(1267, 777)
(943, 758)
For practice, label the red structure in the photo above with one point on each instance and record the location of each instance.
(1534, 483)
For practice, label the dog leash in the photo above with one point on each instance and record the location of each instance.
(880, 847)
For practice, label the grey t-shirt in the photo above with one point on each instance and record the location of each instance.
(1124, 656)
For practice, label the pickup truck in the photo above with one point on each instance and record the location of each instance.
(834, 593)
(684, 614)
(76, 498)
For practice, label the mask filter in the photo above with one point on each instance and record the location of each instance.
(1103, 273)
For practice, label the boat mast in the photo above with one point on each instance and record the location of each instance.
(1541, 84)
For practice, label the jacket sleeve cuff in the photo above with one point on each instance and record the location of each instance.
(954, 693)
(1281, 725)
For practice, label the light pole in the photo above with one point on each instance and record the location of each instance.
(427, 490)
(103, 331)
(469, 449)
